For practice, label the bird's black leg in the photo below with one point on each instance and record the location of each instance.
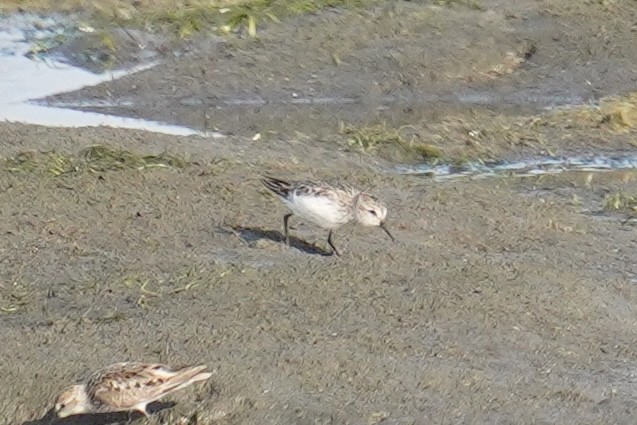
(331, 244)
(285, 228)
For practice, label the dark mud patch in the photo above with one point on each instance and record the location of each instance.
(394, 62)
(112, 49)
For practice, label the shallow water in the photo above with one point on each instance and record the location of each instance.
(524, 167)
(24, 80)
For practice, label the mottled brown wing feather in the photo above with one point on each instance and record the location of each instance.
(277, 186)
(126, 384)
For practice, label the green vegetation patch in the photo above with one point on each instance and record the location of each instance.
(13, 297)
(97, 158)
(621, 202)
(185, 18)
(616, 114)
(199, 16)
(390, 143)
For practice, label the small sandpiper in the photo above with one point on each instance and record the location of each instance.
(123, 387)
(328, 206)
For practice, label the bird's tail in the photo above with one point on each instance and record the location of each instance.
(278, 187)
(195, 373)
(187, 376)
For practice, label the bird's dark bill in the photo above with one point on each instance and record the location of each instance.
(382, 226)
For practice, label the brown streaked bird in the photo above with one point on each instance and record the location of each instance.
(328, 206)
(129, 386)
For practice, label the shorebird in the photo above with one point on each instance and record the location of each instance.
(328, 206)
(125, 387)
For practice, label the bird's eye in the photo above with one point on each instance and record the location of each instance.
(372, 212)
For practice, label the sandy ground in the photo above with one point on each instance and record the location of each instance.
(504, 300)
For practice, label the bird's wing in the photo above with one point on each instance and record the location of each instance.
(278, 187)
(124, 385)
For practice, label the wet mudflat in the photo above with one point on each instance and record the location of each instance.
(506, 300)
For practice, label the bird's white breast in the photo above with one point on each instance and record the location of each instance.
(321, 210)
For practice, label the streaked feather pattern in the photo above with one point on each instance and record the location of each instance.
(126, 386)
(327, 205)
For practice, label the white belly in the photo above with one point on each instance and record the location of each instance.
(320, 210)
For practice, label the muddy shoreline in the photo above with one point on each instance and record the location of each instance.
(507, 300)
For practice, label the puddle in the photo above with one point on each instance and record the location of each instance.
(24, 80)
(522, 168)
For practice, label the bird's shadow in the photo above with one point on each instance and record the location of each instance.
(99, 418)
(251, 234)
